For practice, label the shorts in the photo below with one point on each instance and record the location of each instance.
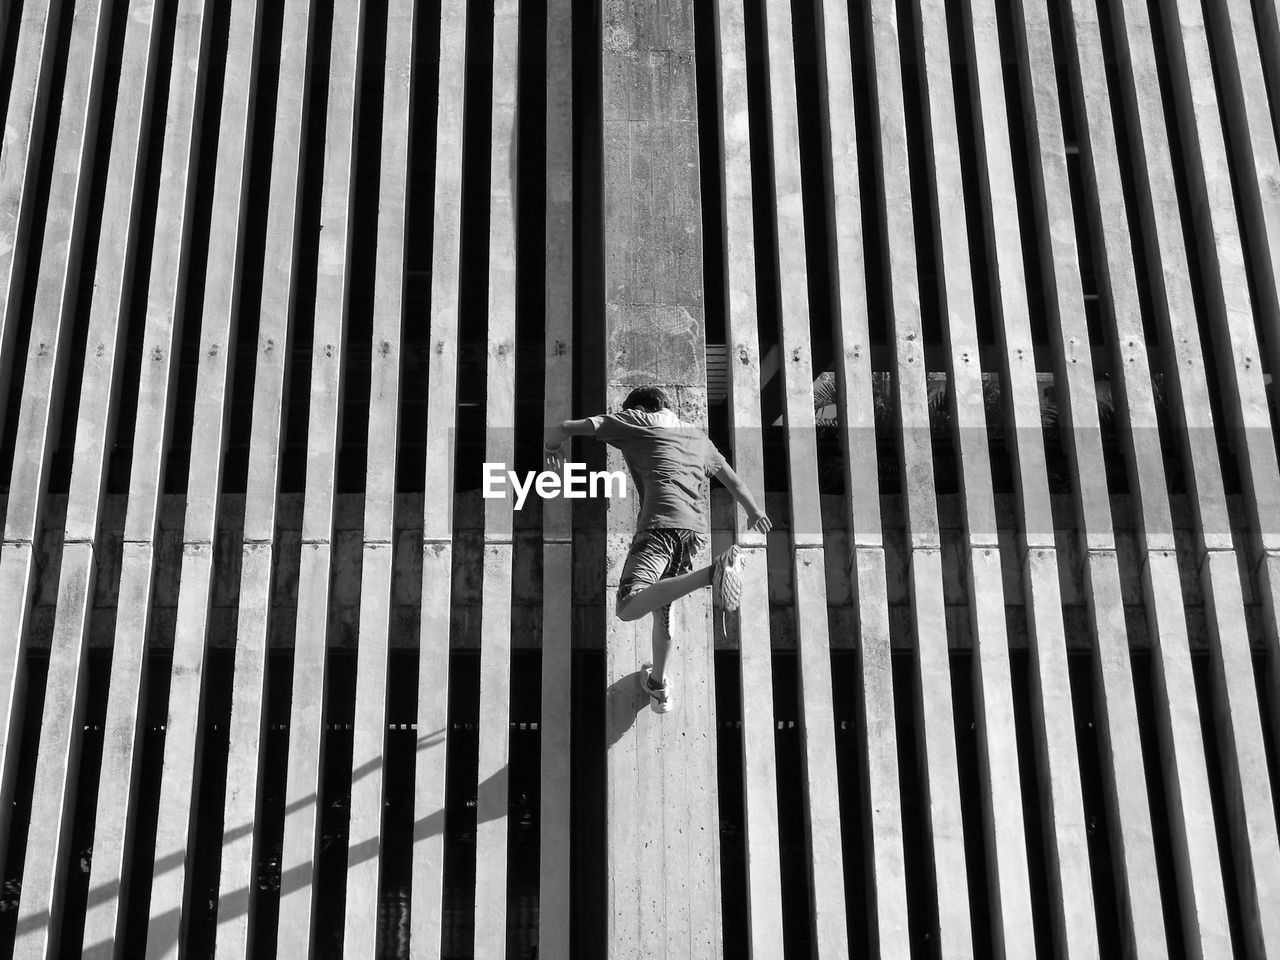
(656, 555)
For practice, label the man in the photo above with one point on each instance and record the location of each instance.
(670, 463)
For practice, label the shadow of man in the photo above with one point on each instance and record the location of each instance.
(623, 701)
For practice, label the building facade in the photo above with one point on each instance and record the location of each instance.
(979, 295)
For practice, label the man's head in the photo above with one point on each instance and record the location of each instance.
(648, 399)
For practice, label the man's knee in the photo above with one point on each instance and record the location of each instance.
(625, 609)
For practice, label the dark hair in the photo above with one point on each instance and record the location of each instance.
(649, 399)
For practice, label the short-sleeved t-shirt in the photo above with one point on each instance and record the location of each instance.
(670, 462)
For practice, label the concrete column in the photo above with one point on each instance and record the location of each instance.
(663, 829)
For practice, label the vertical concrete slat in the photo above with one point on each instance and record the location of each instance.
(242, 805)
(426, 913)
(663, 840)
(500, 423)
(1251, 816)
(27, 111)
(364, 843)
(816, 696)
(1201, 896)
(305, 764)
(883, 797)
(58, 756)
(52, 318)
(1061, 797)
(555, 734)
(1128, 806)
(184, 727)
(760, 779)
(117, 780)
(939, 773)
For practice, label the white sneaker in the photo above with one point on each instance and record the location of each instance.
(661, 697)
(726, 578)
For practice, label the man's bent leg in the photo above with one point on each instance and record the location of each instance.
(645, 601)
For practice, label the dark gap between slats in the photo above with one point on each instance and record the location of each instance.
(1146, 699)
(275, 762)
(793, 841)
(419, 228)
(1140, 256)
(731, 794)
(531, 246)
(66, 406)
(524, 746)
(1214, 734)
(458, 933)
(768, 285)
(524, 794)
(706, 36)
(86, 770)
(202, 906)
(819, 228)
(1199, 273)
(31, 711)
(362, 257)
(817, 199)
(293, 461)
(859, 881)
(712, 191)
(473, 280)
(865, 113)
(335, 805)
(1092, 747)
(874, 250)
(1022, 674)
(396, 865)
(589, 369)
(927, 233)
(922, 899)
(972, 799)
(145, 789)
(254, 247)
(189, 306)
(26, 276)
(135, 297)
(588, 903)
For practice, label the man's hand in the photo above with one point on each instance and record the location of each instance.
(759, 522)
(554, 447)
(554, 456)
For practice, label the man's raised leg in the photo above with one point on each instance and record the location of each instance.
(662, 593)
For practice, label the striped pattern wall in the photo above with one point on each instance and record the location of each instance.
(980, 296)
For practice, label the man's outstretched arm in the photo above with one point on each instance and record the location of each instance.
(756, 519)
(553, 444)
